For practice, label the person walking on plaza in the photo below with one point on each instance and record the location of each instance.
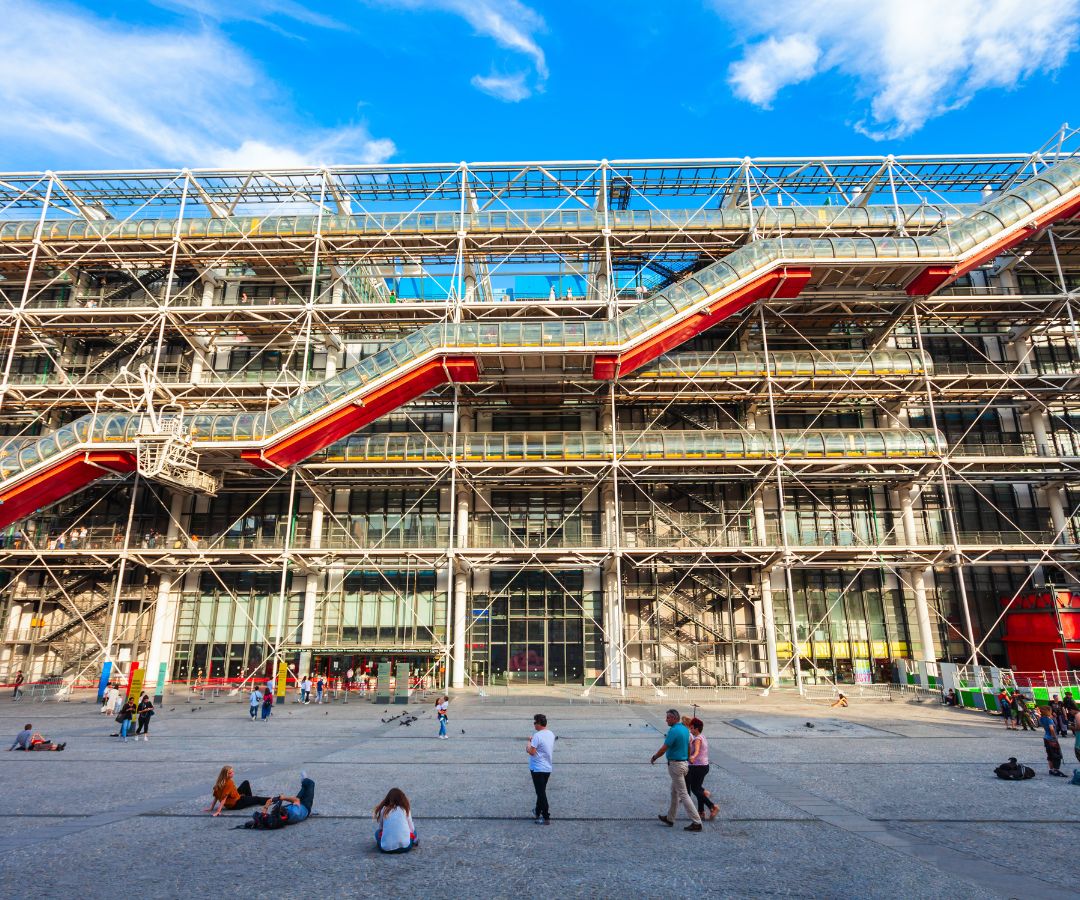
(228, 796)
(441, 707)
(699, 768)
(19, 679)
(305, 689)
(1076, 734)
(1050, 742)
(540, 748)
(394, 828)
(267, 704)
(144, 710)
(676, 748)
(254, 702)
(319, 685)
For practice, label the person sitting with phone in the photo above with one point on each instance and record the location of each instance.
(277, 812)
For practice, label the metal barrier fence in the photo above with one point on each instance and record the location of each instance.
(670, 696)
(42, 691)
(885, 691)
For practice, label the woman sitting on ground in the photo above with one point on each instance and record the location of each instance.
(228, 796)
(394, 829)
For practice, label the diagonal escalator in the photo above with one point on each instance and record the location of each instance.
(39, 472)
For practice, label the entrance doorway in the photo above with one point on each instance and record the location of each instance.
(537, 628)
(426, 670)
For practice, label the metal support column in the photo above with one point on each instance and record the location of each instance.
(916, 576)
(459, 572)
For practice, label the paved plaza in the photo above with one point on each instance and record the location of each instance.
(884, 799)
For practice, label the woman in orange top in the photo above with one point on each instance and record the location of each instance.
(228, 796)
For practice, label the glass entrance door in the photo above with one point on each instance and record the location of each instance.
(527, 662)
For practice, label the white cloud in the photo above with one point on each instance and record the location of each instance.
(911, 59)
(261, 11)
(74, 86)
(512, 25)
(771, 65)
(511, 88)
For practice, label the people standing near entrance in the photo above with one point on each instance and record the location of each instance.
(305, 689)
(145, 710)
(254, 702)
(1005, 705)
(19, 679)
(699, 768)
(267, 704)
(319, 685)
(1050, 742)
(1061, 716)
(1020, 711)
(676, 748)
(540, 748)
(124, 718)
(441, 707)
(1071, 709)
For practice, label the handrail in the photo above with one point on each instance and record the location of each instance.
(769, 218)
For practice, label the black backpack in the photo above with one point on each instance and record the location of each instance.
(1013, 771)
(275, 817)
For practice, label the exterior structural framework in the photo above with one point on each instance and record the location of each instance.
(618, 422)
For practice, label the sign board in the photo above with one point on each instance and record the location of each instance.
(382, 685)
(103, 684)
(401, 693)
(862, 670)
(135, 686)
(282, 673)
(159, 691)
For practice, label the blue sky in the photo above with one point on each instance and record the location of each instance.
(205, 83)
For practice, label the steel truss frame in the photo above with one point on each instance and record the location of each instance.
(194, 310)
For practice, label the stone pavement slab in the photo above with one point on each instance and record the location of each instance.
(903, 809)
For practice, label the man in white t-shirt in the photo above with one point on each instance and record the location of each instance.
(539, 749)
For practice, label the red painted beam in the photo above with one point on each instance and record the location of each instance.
(929, 280)
(343, 422)
(64, 477)
(787, 283)
(605, 367)
(933, 277)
